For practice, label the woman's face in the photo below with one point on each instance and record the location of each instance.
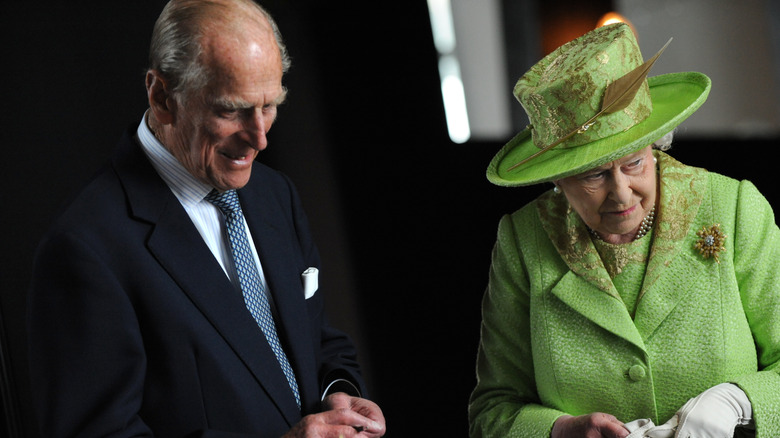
(614, 198)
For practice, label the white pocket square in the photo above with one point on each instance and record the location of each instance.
(310, 282)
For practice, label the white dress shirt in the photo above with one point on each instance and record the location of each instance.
(190, 192)
(209, 220)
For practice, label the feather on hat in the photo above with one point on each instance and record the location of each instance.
(589, 102)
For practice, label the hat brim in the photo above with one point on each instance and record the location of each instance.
(675, 97)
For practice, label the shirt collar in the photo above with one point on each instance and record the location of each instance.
(186, 187)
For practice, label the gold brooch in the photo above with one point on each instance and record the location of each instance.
(710, 242)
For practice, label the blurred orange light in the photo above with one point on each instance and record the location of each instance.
(610, 18)
(614, 17)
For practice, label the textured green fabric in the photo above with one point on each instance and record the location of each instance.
(556, 338)
(629, 263)
(566, 88)
(565, 96)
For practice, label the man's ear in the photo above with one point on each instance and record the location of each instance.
(161, 102)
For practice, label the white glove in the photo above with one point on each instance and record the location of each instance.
(638, 427)
(644, 428)
(715, 413)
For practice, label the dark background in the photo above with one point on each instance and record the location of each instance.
(405, 219)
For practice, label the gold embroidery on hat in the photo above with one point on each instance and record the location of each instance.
(617, 96)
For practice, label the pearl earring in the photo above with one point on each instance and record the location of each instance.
(556, 190)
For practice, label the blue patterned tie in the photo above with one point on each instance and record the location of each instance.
(249, 278)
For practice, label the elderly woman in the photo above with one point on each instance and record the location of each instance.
(640, 296)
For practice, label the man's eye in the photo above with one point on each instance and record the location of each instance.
(227, 112)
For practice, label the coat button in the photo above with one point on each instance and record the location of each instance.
(636, 372)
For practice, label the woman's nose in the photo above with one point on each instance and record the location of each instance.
(620, 190)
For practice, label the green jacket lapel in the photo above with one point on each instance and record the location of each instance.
(682, 189)
(587, 288)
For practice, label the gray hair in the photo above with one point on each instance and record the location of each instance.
(664, 143)
(176, 40)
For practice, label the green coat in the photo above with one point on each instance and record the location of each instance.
(557, 339)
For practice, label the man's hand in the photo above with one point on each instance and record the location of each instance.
(344, 416)
(595, 425)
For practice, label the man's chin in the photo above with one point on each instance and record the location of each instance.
(233, 183)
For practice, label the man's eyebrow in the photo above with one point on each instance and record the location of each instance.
(239, 104)
(231, 104)
(282, 97)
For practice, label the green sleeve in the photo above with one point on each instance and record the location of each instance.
(505, 403)
(757, 263)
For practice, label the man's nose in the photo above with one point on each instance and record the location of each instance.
(257, 127)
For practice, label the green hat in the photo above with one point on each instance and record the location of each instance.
(589, 102)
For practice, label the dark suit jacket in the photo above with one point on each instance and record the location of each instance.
(135, 330)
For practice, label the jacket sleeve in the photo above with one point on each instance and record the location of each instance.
(505, 401)
(757, 263)
(92, 385)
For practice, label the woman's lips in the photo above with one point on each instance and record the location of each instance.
(623, 212)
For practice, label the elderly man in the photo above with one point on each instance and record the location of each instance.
(177, 295)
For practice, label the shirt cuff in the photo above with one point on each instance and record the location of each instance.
(341, 385)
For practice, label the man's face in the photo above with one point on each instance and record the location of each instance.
(217, 132)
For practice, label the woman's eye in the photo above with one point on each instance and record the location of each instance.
(634, 164)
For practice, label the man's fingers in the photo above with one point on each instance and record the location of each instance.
(348, 417)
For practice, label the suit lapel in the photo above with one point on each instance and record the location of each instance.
(272, 239)
(178, 247)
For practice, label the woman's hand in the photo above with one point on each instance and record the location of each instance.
(595, 425)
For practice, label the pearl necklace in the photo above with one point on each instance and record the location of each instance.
(644, 227)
